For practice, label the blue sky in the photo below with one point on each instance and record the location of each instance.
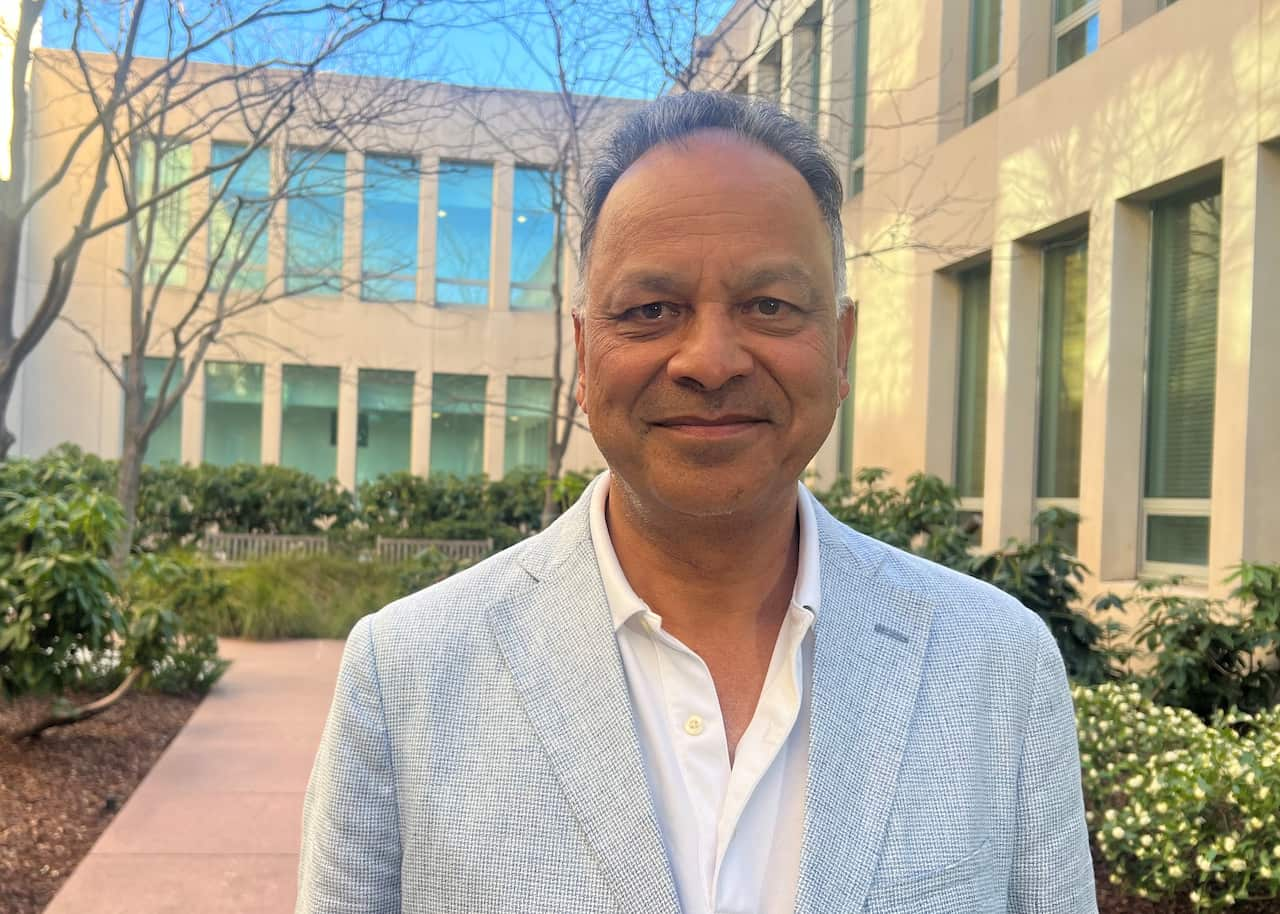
(506, 43)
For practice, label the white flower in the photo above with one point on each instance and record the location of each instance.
(1194, 897)
(1117, 832)
(1203, 862)
(1237, 865)
(1228, 844)
(1175, 871)
(1145, 841)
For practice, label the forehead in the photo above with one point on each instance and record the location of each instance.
(711, 198)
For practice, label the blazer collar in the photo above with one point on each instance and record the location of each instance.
(870, 639)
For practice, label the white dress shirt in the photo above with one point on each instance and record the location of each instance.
(732, 833)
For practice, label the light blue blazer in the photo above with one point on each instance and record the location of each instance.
(480, 755)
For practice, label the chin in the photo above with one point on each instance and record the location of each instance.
(702, 493)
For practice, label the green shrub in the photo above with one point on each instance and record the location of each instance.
(57, 591)
(1207, 658)
(1178, 806)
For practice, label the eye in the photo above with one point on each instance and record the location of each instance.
(769, 307)
(652, 311)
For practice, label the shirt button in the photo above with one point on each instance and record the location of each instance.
(693, 726)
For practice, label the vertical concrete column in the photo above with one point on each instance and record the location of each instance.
(1012, 357)
(192, 448)
(500, 253)
(428, 214)
(1024, 54)
(272, 411)
(420, 421)
(1116, 16)
(495, 418)
(353, 225)
(1112, 412)
(952, 55)
(1246, 434)
(348, 421)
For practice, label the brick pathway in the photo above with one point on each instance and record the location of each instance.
(214, 827)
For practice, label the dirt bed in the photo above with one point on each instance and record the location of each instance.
(60, 791)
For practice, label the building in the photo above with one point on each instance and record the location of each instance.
(415, 328)
(1063, 222)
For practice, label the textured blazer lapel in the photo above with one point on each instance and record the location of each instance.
(559, 642)
(869, 645)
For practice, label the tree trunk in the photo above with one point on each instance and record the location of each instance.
(75, 715)
(130, 471)
(10, 242)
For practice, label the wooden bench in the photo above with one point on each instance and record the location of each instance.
(237, 548)
(391, 549)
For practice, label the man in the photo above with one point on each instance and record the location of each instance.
(697, 691)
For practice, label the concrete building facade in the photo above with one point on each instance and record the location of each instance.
(1062, 228)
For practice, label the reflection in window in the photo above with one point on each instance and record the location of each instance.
(238, 221)
(166, 259)
(309, 420)
(313, 255)
(385, 424)
(1181, 382)
(984, 58)
(457, 424)
(528, 423)
(971, 412)
(1075, 31)
(806, 65)
(389, 244)
(462, 234)
(533, 240)
(232, 413)
(165, 443)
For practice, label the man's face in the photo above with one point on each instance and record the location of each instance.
(711, 360)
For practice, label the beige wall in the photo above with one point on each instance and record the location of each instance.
(1192, 90)
(69, 395)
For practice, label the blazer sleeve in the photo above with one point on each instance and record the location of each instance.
(350, 856)
(1052, 870)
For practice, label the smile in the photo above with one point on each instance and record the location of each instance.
(706, 428)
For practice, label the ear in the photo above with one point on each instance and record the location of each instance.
(846, 327)
(580, 387)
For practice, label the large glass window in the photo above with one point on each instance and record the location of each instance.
(806, 65)
(238, 222)
(309, 420)
(533, 239)
(232, 413)
(971, 412)
(984, 58)
(1066, 268)
(385, 424)
(165, 444)
(528, 423)
(169, 219)
(1075, 31)
(1181, 366)
(769, 74)
(462, 234)
(457, 424)
(389, 239)
(858, 140)
(313, 245)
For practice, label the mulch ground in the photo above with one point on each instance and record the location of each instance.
(59, 791)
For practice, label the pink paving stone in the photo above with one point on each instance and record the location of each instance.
(215, 825)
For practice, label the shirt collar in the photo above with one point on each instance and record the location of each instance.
(625, 603)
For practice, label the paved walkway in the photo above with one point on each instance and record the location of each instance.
(214, 827)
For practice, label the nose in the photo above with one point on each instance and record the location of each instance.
(710, 353)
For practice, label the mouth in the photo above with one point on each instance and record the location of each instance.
(725, 426)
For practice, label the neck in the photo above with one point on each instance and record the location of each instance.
(708, 574)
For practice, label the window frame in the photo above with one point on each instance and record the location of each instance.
(366, 278)
(1062, 27)
(437, 279)
(975, 83)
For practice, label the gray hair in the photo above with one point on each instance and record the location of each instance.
(672, 118)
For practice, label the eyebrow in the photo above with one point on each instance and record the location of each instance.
(665, 283)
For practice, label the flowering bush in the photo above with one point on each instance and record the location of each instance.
(1178, 806)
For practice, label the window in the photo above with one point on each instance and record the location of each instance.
(741, 87)
(238, 221)
(309, 420)
(1181, 365)
(769, 74)
(984, 59)
(385, 423)
(1075, 31)
(313, 243)
(165, 444)
(389, 238)
(858, 140)
(1065, 272)
(462, 234)
(971, 389)
(806, 65)
(168, 220)
(232, 413)
(533, 239)
(528, 423)
(845, 449)
(457, 424)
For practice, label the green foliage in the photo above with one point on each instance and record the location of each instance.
(1178, 806)
(56, 587)
(1207, 658)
